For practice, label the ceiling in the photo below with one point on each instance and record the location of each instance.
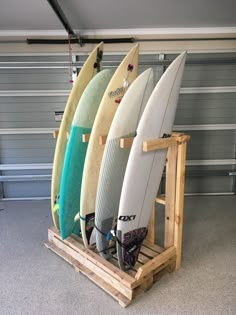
(37, 15)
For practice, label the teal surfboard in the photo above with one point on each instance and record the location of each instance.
(70, 186)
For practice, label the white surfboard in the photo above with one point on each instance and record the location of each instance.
(124, 75)
(115, 159)
(144, 170)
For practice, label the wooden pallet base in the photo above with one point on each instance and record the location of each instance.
(153, 262)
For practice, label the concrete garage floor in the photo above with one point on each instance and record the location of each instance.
(33, 280)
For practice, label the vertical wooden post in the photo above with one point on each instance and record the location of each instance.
(170, 196)
(179, 201)
(151, 226)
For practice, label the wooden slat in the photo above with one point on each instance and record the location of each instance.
(148, 252)
(156, 262)
(123, 301)
(154, 273)
(55, 134)
(102, 140)
(161, 200)
(181, 138)
(147, 284)
(164, 143)
(151, 226)
(126, 142)
(89, 255)
(165, 266)
(143, 259)
(133, 270)
(154, 247)
(170, 196)
(93, 267)
(130, 272)
(86, 137)
(156, 144)
(179, 202)
(136, 266)
(177, 134)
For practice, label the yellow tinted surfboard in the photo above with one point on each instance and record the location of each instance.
(89, 69)
(125, 74)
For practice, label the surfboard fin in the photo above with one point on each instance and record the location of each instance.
(166, 135)
(97, 64)
(56, 208)
(92, 239)
(77, 217)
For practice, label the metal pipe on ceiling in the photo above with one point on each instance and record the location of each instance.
(84, 40)
(81, 41)
(60, 14)
(74, 38)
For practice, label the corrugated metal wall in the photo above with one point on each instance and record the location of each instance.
(43, 82)
(216, 70)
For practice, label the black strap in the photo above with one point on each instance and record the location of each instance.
(129, 248)
(112, 238)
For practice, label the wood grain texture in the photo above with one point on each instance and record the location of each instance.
(126, 142)
(170, 196)
(86, 137)
(179, 201)
(156, 262)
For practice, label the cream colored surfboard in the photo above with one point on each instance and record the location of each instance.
(121, 80)
(89, 69)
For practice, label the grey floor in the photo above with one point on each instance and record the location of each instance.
(33, 280)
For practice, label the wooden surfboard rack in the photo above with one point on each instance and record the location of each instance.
(153, 260)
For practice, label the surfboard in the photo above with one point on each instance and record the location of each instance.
(89, 69)
(115, 159)
(71, 178)
(121, 80)
(144, 170)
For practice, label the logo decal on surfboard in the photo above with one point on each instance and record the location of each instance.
(118, 91)
(127, 217)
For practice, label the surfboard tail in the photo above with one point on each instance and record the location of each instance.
(130, 246)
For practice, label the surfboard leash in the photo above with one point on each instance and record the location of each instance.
(129, 248)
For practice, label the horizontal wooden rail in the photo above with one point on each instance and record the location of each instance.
(156, 262)
(86, 137)
(102, 140)
(55, 134)
(161, 200)
(164, 143)
(126, 143)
